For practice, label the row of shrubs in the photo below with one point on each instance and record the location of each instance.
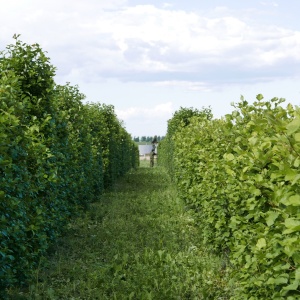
(241, 175)
(56, 156)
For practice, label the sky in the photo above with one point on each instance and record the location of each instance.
(149, 58)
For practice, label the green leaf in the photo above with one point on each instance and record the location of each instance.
(261, 243)
(293, 126)
(292, 225)
(291, 222)
(160, 253)
(271, 217)
(255, 191)
(292, 287)
(259, 97)
(291, 230)
(281, 280)
(290, 250)
(296, 259)
(252, 140)
(278, 280)
(230, 172)
(297, 137)
(234, 222)
(280, 266)
(294, 200)
(297, 177)
(297, 162)
(297, 274)
(290, 175)
(229, 156)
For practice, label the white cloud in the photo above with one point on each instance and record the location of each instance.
(147, 120)
(189, 85)
(167, 5)
(109, 39)
(162, 110)
(180, 54)
(150, 40)
(269, 3)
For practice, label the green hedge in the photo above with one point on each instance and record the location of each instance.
(56, 156)
(180, 119)
(241, 175)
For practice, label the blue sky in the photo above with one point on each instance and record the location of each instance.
(148, 58)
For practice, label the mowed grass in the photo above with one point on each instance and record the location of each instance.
(138, 242)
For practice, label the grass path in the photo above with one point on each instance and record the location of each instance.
(137, 242)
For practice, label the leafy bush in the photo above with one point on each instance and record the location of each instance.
(56, 155)
(241, 175)
(180, 119)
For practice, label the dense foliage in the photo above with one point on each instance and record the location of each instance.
(180, 119)
(56, 156)
(241, 175)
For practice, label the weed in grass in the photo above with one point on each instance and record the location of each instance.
(139, 242)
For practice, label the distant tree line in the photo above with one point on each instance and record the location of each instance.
(147, 138)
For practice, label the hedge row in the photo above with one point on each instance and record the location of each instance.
(56, 156)
(241, 175)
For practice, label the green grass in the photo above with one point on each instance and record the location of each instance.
(138, 242)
